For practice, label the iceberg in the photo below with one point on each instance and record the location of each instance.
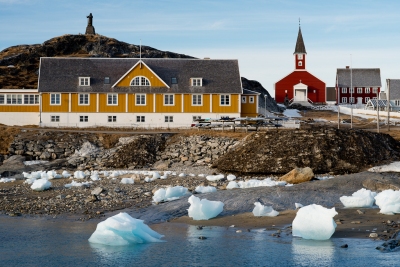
(261, 210)
(314, 222)
(205, 189)
(388, 201)
(41, 185)
(123, 230)
(169, 194)
(363, 198)
(204, 209)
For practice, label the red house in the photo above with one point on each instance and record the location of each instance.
(300, 86)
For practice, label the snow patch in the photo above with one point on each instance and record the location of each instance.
(215, 177)
(127, 181)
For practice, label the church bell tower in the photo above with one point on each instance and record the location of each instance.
(300, 52)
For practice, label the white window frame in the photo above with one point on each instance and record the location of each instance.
(244, 101)
(344, 90)
(359, 90)
(83, 118)
(367, 99)
(114, 100)
(84, 81)
(351, 90)
(351, 100)
(14, 99)
(196, 82)
(251, 99)
(167, 99)
(367, 90)
(140, 118)
(140, 81)
(397, 102)
(168, 119)
(140, 99)
(344, 100)
(55, 118)
(86, 100)
(2, 99)
(224, 100)
(300, 56)
(112, 118)
(31, 99)
(197, 100)
(374, 90)
(55, 99)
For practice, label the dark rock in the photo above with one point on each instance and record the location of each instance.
(344, 246)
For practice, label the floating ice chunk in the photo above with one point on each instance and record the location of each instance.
(204, 209)
(66, 174)
(388, 201)
(41, 185)
(76, 184)
(231, 177)
(232, 185)
(6, 180)
(122, 230)
(363, 198)
(127, 181)
(261, 210)
(182, 175)
(314, 222)
(205, 189)
(215, 177)
(298, 205)
(79, 175)
(169, 194)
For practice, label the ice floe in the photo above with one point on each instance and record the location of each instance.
(388, 201)
(261, 210)
(205, 189)
(123, 230)
(314, 222)
(363, 198)
(232, 185)
(231, 177)
(257, 183)
(204, 209)
(169, 194)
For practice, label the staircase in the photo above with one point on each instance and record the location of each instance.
(303, 103)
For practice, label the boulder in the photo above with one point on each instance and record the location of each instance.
(298, 175)
(375, 185)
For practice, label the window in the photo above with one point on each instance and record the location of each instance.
(351, 100)
(197, 81)
(397, 102)
(366, 100)
(55, 99)
(196, 100)
(112, 99)
(367, 90)
(140, 81)
(300, 63)
(168, 100)
(83, 118)
(169, 118)
(359, 90)
(196, 118)
(243, 99)
(140, 100)
(300, 56)
(112, 119)
(55, 118)
(84, 81)
(251, 99)
(106, 80)
(1, 99)
(374, 90)
(31, 99)
(140, 119)
(351, 90)
(344, 99)
(174, 80)
(224, 100)
(374, 98)
(14, 99)
(83, 99)
(344, 90)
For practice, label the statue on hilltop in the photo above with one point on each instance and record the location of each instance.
(89, 27)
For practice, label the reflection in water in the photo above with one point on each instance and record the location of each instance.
(319, 252)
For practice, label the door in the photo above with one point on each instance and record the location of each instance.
(300, 95)
(359, 100)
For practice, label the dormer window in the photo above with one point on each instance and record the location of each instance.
(84, 81)
(140, 81)
(197, 81)
(106, 80)
(174, 80)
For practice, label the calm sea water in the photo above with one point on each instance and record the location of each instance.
(39, 242)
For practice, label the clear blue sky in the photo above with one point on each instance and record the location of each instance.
(261, 34)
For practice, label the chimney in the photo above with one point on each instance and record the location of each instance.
(347, 67)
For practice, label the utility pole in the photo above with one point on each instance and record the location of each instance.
(351, 92)
(388, 102)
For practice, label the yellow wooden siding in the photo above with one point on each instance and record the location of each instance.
(19, 108)
(233, 108)
(103, 107)
(177, 107)
(75, 107)
(147, 108)
(204, 108)
(249, 109)
(144, 71)
(46, 107)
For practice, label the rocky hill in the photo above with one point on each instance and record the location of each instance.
(19, 65)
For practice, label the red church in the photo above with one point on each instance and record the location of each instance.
(300, 86)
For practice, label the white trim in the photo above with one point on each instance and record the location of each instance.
(211, 102)
(113, 99)
(154, 103)
(230, 100)
(201, 98)
(145, 99)
(59, 104)
(79, 99)
(80, 79)
(97, 102)
(196, 79)
(137, 63)
(182, 104)
(173, 100)
(69, 103)
(140, 76)
(5, 91)
(126, 102)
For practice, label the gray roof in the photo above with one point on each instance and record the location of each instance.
(300, 47)
(358, 77)
(394, 88)
(249, 92)
(62, 74)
